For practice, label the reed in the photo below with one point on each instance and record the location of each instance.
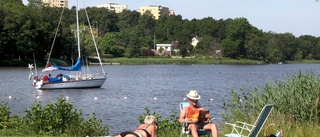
(295, 99)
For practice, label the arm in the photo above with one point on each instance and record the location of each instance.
(154, 130)
(182, 115)
(207, 116)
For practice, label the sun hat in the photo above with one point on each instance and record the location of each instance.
(193, 94)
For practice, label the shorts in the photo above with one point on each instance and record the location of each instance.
(200, 125)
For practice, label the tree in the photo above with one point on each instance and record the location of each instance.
(230, 48)
(11, 2)
(237, 31)
(127, 19)
(255, 46)
(108, 45)
(184, 39)
(146, 23)
(35, 3)
(208, 46)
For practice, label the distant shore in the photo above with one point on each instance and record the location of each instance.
(159, 61)
(179, 61)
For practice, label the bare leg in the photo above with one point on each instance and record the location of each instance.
(213, 128)
(194, 130)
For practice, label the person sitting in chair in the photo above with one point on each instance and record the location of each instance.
(148, 129)
(190, 115)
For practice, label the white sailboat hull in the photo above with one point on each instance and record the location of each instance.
(76, 84)
(66, 81)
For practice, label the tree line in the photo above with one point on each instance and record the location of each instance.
(28, 30)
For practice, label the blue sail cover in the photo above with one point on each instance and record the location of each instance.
(76, 67)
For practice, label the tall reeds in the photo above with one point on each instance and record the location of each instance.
(295, 99)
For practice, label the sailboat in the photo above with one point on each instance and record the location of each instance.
(64, 80)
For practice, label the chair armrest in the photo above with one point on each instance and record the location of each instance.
(229, 124)
(244, 123)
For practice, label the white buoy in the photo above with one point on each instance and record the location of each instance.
(38, 97)
(67, 98)
(95, 98)
(211, 99)
(155, 98)
(184, 98)
(9, 97)
(125, 98)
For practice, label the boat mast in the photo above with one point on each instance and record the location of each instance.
(78, 30)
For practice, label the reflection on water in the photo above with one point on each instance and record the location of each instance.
(130, 89)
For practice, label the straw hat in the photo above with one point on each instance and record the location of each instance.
(193, 94)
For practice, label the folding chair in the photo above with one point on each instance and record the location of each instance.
(240, 128)
(185, 130)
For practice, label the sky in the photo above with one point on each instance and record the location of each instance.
(299, 17)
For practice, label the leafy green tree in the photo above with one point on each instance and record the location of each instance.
(237, 31)
(161, 30)
(309, 45)
(287, 45)
(109, 46)
(35, 3)
(298, 55)
(274, 56)
(173, 25)
(102, 19)
(184, 39)
(146, 24)
(230, 48)
(273, 51)
(256, 46)
(13, 22)
(207, 46)
(133, 49)
(207, 26)
(127, 19)
(11, 2)
(87, 44)
(316, 54)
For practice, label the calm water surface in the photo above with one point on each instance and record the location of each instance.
(141, 84)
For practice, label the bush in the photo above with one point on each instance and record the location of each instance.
(167, 127)
(51, 120)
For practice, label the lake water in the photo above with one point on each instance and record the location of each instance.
(130, 89)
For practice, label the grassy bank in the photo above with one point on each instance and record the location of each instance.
(178, 61)
(141, 61)
(296, 105)
(304, 62)
(156, 61)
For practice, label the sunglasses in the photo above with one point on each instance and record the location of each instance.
(192, 100)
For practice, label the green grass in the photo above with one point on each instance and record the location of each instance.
(304, 62)
(296, 105)
(178, 61)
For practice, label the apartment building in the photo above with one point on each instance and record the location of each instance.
(56, 3)
(156, 10)
(117, 8)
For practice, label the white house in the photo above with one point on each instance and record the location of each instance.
(117, 8)
(167, 48)
(195, 41)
